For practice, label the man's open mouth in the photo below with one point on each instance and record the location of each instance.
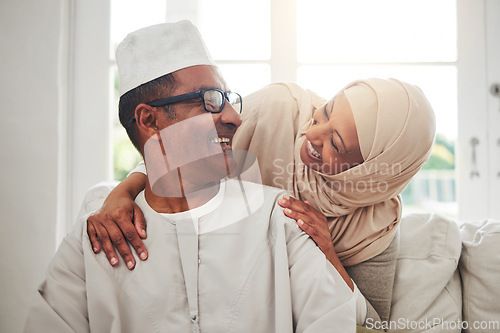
(220, 140)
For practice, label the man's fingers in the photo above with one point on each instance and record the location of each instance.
(91, 232)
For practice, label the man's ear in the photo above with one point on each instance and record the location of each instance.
(147, 120)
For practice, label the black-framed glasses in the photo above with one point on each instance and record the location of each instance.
(214, 100)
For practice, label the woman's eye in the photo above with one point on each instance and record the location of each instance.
(314, 122)
(334, 145)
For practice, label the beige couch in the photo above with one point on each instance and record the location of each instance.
(447, 277)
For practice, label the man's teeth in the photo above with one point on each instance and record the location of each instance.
(313, 151)
(220, 140)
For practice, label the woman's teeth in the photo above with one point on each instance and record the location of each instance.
(220, 140)
(313, 151)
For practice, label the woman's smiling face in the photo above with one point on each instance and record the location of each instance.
(331, 144)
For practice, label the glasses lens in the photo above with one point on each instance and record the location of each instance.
(213, 100)
(235, 101)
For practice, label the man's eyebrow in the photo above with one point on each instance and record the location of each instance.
(204, 87)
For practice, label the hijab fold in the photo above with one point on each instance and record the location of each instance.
(395, 125)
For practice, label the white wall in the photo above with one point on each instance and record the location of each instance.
(54, 134)
(478, 111)
(29, 37)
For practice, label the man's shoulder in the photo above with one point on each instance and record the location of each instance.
(263, 200)
(254, 190)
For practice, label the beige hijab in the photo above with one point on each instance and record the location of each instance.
(396, 127)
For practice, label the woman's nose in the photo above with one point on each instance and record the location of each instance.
(315, 134)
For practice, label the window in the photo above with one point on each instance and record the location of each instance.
(349, 40)
(324, 44)
(86, 157)
(127, 16)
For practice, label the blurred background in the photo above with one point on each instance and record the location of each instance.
(60, 133)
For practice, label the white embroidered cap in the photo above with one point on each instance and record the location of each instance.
(151, 52)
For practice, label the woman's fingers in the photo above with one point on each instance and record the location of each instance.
(117, 238)
(309, 224)
(319, 238)
(103, 237)
(127, 229)
(314, 223)
(308, 219)
(291, 213)
(106, 232)
(297, 205)
(140, 222)
(93, 237)
(295, 209)
(310, 230)
(308, 227)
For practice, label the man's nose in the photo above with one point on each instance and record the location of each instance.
(229, 115)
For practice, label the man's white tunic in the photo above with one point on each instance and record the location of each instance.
(234, 264)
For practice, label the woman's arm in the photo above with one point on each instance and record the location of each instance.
(118, 219)
(315, 225)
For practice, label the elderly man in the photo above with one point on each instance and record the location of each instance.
(224, 258)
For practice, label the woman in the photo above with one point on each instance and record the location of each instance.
(345, 160)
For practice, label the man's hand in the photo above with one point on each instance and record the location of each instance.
(119, 220)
